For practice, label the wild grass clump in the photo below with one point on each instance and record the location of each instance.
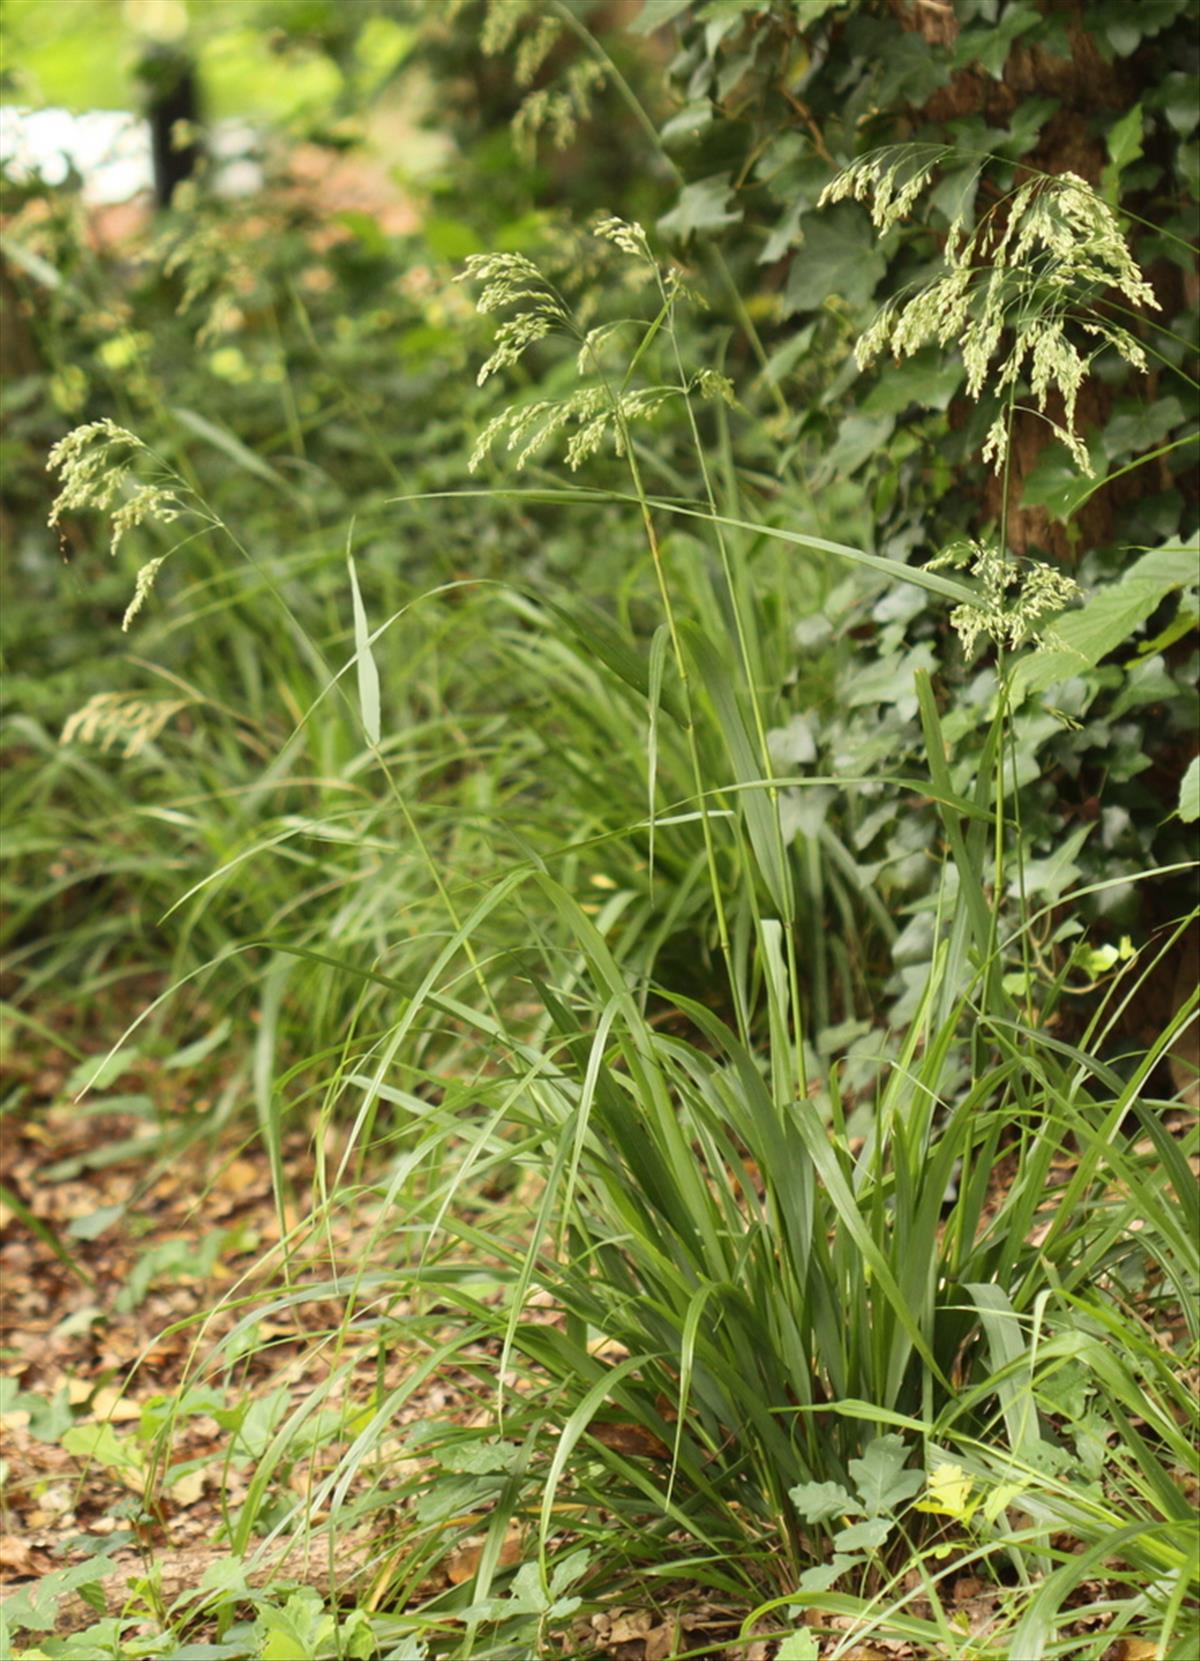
(537, 927)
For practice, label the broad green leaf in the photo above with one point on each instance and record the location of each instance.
(296, 1632)
(801, 1645)
(91, 1074)
(480, 1458)
(948, 1492)
(1056, 873)
(824, 1575)
(703, 206)
(864, 1536)
(35, 1607)
(568, 1571)
(1124, 147)
(1082, 638)
(1056, 484)
(408, 1649)
(859, 438)
(100, 1445)
(528, 1594)
(816, 1502)
(93, 1224)
(451, 239)
(839, 259)
(880, 1477)
(928, 379)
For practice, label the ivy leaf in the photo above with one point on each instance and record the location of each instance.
(1056, 484)
(808, 11)
(1124, 147)
(928, 378)
(1189, 793)
(703, 206)
(859, 438)
(1053, 875)
(990, 47)
(880, 1477)
(840, 256)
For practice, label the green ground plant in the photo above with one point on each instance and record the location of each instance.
(670, 907)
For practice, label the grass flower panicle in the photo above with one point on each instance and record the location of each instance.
(1035, 266)
(1017, 597)
(603, 409)
(112, 718)
(96, 463)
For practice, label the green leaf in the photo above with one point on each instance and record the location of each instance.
(568, 1571)
(100, 1445)
(927, 379)
(296, 1632)
(880, 1477)
(191, 1055)
(864, 1536)
(859, 438)
(1189, 793)
(691, 119)
(229, 445)
(816, 1502)
(450, 239)
(480, 1458)
(759, 810)
(703, 206)
(799, 1646)
(656, 14)
(408, 1649)
(35, 1607)
(840, 258)
(1124, 147)
(368, 672)
(1106, 621)
(1056, 484)
(93, 1225)
(91, 1074)
(824, 1575)
(1056, 873)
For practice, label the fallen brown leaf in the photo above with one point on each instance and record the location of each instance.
(463, 1563)
(626, 1629)
(634, 1440)
(109, 1403)
(187, 1489)
(661, 1643)
(21, 1561)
